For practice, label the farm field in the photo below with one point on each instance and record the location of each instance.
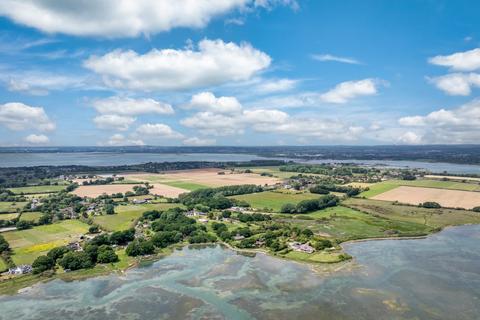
(11, 206)
(381, 187)
(316, 257)
(37, 189)
(167, 190)
(436, 218)
(446, 198)
(273, 171)
(273, 201)
(204, 177)
(125, 216)
(31, 243)
(431, 176)
(31, 216)
(8, 216)
(3, 266)
(94, 191)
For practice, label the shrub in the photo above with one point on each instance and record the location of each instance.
(106, 254)
(75, 261)
(140, 247)
(42, 263)
(430, 205)
(57, 253)
(288, 208)
(4, 246)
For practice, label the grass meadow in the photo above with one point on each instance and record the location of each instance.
(273, 201)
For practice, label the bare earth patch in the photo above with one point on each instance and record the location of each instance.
(446, 198)
(207, 177)
(95, 191)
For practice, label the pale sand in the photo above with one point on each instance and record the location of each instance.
(97, 190)
(206, 177)
(446, 198)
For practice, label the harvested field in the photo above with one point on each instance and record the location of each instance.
(95, 191)
(204, 177)
(431, 176)
(446, 198)
(166, 191)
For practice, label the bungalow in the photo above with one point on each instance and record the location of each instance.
(203, 220)
(305, 247)
(75, 246)
(139, 201)
(238, 237)
(21, 269)
(195, 213)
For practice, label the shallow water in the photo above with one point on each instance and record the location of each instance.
(433, 278)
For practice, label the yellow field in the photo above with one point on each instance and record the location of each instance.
(446, 198)
(97, 190)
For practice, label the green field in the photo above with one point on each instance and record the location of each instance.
(385, 186)
(31, 243)
(273, 201)
(8, 216)
(31, 216)
(127, 214)
(316, 257)
(273, 171)
(3, 266)
(11, 206)
(185, 185)
(432, 217)
(37, 189)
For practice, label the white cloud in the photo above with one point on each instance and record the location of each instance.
(158, 130)
(348, 90)
(113, 122)
(116, 18)
(214, 63)
(409, 137)
(37, 139)
(210, 123)
(460, 61)
(269, 86)
(458, 125)
(40, 83)
(19, 116)
(120, 140)
(198, 142)
(457, 84)
(208, 102)
(129, 107)
(329, 57)
(269, 4)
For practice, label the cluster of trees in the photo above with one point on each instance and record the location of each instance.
(306, 206)
(8, 195)
(431, 205)
(247, 217)
(107, 180)
(326, 169)
(326, 188)
(4, 246)
(216, 198)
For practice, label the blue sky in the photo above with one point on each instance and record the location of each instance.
(239, 72)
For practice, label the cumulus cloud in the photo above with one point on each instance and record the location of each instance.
(348, 90)
(459, 61)
(113, 122)
(40, 83)
(158, 130)
(208, 102)
(329, 57)
(457, 84)
(120, 140)
(116, 18)
(214, 63)
(129, 107)
(269, 86)
(37, 139)
(457, 125)
(19, 116)
(409, 137)
(198, 142)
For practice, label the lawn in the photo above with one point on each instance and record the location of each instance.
(8, 216)
(3, 265)
(185, 185)
(31, 243)
(272, 170)
(385, 186)
(31, 216)
(127, 214)
(432, 217)
(37, 189)
(273, 201)
(11, 206)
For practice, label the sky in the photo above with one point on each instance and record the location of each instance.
(239, 72)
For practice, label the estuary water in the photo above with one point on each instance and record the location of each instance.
(433, 278)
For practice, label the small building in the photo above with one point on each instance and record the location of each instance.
(195, 213)
(305, 247)
(238, 237)
(21, 269)
(203, 220)
(75, 246)
(237, 209)
(139, 201)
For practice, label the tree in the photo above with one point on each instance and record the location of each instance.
(431, 205)
(122, 237)
(58, 252)
(92, 251)
(4, 246)
(288, 208)
(94, 229)
(42, 263)
(22, 225)
(476, 209)
(106, 254)
(76, 261)
(109, 209)
(140, 247)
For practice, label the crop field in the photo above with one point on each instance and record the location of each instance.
(125, 216)
(381, 187)
(433, 176)
(273, 201)
(273, 171)
(432, 217)
(31, 243)
(8, 216)
(11, 206)
(167, 190)
(37, 189)
(94, 191)
(189, 186)
(204, 177)
(446, 198)
(31, 216)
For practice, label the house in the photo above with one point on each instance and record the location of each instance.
(238, 237)
(203, 220)
(35, 203)
(195, 213)
(21, 269)
(259, 242)
(305, 247)
(139, 201)
(75, 246)
(238, 209)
